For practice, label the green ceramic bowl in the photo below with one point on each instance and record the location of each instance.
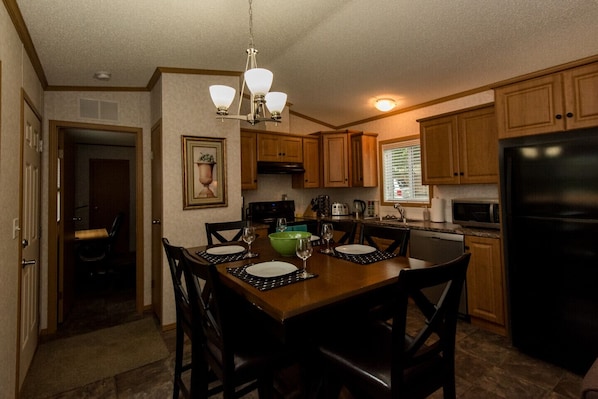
(284, 242)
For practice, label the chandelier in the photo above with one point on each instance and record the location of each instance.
(259, 81)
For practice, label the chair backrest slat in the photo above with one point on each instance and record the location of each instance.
(213, 230)
(441, 317)
(399, 237)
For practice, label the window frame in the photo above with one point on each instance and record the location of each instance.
(381, 145)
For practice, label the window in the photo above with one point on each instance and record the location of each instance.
(402, 172)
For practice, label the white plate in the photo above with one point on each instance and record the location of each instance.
(225, 250)
(314, 238)
(355, 249)
(271, 269)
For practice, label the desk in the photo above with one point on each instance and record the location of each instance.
(91, 234)
(338, 281)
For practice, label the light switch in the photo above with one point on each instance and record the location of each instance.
(15, 227)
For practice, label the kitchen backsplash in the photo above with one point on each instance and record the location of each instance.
(273, 187)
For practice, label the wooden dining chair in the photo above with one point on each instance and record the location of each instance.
(347, 228)
(303, 225)
(377, 360)
(242, 354)
(184, 327)
(215, 230)
(396, 238)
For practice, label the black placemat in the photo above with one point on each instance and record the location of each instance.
(264, 284)
(364, 259)
(223, 258)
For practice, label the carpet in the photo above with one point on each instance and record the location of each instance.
(64, 364)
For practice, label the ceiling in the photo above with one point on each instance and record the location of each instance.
(332, 57)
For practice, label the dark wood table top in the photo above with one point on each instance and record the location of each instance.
(338, 280)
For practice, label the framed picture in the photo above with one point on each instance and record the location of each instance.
(204, 172)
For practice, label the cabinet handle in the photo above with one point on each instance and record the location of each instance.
(559, 116)
(569, 114)
(461, 174)
(466, 248)
(455, 174)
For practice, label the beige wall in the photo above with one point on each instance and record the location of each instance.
(187, 109)
(17, 72)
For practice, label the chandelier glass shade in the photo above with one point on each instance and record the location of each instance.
(259, 82)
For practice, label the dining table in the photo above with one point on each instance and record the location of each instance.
(91, 234)
(339, 283)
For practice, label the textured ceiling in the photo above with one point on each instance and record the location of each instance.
(332, 57)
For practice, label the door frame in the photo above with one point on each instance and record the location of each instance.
(54, 128)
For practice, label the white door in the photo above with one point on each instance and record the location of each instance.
(30, 245)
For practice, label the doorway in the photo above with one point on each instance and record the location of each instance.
(101, 168)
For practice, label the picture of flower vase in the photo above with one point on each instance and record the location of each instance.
(205, 173)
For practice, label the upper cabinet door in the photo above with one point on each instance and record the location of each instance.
(440, 152)
(478, 146)
(248, 161)
(336, 164)
(581, 96)
(279, 148)
(364, 160)
(531, 107)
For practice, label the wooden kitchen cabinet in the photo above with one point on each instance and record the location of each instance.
(560, 101)
(248, 160)
(485, 284)
(460, 147)
(335, 156)
(349, 158)
(279, 148)
(311, 163)
(364, 159)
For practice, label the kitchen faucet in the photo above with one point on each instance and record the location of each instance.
(401, 210)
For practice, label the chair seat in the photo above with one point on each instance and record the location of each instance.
(364, 357)
(253, 353)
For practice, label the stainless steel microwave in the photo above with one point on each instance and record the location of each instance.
(476, 212)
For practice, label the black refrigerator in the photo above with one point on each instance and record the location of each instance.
(549, 193)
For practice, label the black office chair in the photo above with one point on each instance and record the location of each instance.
(398, 237)
(348, 228)
(97, 254)
(214, 230)
(241, 354)
(376, 360)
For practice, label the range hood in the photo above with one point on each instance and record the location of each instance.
(279, 167)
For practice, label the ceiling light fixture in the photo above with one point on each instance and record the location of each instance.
(102, 75)
(385, 104)
(259, 81)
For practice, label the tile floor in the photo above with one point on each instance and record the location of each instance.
(486, 365)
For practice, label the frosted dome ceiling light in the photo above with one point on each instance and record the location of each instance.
(385, 104)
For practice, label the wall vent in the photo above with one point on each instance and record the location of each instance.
(96, 109)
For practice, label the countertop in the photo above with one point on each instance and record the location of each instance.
(421, 225)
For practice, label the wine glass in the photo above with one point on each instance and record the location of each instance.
(281, 224)
(249, 237)
(327, 233)
(304, 249)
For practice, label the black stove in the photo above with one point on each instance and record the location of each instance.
(268, 211)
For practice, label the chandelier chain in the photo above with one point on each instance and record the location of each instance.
(250, 24)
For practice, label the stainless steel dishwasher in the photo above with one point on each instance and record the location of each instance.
(438, 247)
